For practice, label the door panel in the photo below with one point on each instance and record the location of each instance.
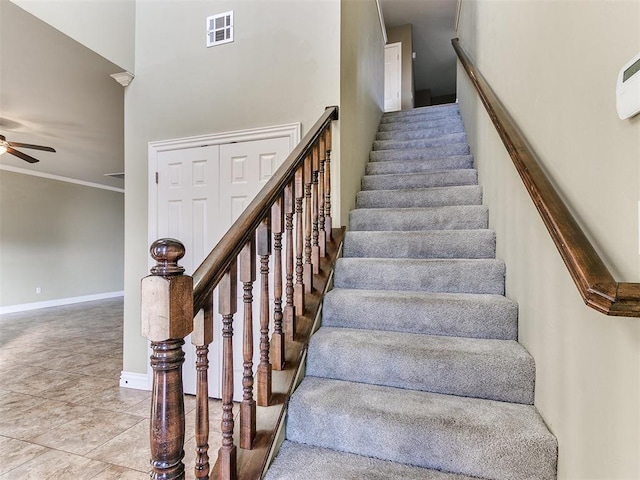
(244, 169)
(201, 192)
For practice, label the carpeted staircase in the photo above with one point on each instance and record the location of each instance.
(416, 372)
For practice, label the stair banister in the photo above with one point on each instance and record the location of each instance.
(211, 270)
(594, 281)
(170, 300)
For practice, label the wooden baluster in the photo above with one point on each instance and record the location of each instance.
(315, 247)
(327, 185)
(277, 339)
(264, 368)
(289, 308)
(308, 266)
(322, 238)
(201, 337)
(298, 289)
(227, 306)
(167, 317)
(247, 272)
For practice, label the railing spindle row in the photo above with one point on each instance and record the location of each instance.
(296, 217)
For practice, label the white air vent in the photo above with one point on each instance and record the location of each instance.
(220, 29)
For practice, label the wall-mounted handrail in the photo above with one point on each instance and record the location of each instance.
(596, 284)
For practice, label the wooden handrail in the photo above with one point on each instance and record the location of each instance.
(595, 283)
(213, 267)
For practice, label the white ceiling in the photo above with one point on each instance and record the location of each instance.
(433, 25)
(58, 93)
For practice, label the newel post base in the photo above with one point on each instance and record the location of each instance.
(166, 318)
(167, 411)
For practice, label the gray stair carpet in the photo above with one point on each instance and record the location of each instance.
(420, 154)
(414, 134)
(416, 372)
(416, 143)
(299, 461)
(434, 178)
(456, 162)
(416, 197)
(422, 124)
(421, 116)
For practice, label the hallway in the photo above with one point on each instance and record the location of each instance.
(62, 413)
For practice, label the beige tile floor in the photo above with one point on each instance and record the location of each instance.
(62, 413)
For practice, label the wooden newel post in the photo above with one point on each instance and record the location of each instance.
(167, 317)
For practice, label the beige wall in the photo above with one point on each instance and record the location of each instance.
(104, 26)
(361, 95)
(65, 238)
(554, 66)
(403, 35)
(283, 67)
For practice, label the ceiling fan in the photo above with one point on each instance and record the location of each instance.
(10, 147)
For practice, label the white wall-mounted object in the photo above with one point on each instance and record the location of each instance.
(220, 29)
(628, 89)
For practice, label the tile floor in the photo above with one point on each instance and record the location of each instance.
(62, 413)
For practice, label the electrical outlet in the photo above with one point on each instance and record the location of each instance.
(38, 290)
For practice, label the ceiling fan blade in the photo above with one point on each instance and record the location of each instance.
(23, 156)
(28, 145)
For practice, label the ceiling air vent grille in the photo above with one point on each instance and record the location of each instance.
(220, 29)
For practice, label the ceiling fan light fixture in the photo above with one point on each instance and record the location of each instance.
(10, 147)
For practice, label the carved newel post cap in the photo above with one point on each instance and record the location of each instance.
(166, 252)
(166, 305)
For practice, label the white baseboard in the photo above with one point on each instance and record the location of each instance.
(59, 302)
(137, 381)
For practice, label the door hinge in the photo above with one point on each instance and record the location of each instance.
(156, 177)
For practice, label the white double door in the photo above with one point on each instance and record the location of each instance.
(200, 193)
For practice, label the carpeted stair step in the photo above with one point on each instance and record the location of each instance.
(419, 143)
(297, 461)
(435, 131)
(435, 178)
(449, 150)
(430, 275)
(435, 114)
(447, 107)
(419, 125)
(499, 370)
(458, 162)
(421, 244)
(420, 197)
(449, 314)
(470, 436)
(449, 217)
